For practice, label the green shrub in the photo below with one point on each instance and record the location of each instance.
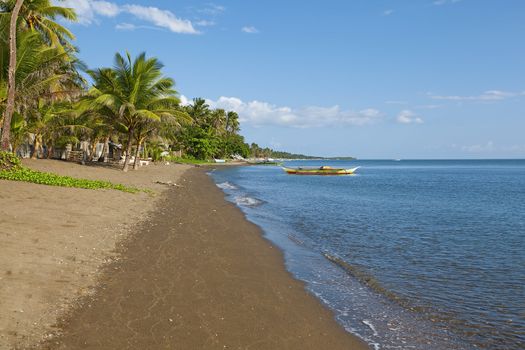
(12, 169)
(9, 161)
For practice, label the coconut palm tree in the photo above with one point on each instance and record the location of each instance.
(137, 93)
(10, 106)
(43, 74)
(38, 16)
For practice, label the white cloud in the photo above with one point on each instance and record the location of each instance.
(491, 95)
(105, 8)
(87, 12)
(388, 12)
(161, 18)
(257, 113)
(125, 26)
(184, 101)
(444, 2)
(205, 23)
(213, 9)
(408, 117)
(250, 30)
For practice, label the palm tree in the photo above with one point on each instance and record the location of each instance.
(137, 93)
(155, 128)
(199, 111)
(10, 106)
(43, 75)
(232, 123)
(38, 16)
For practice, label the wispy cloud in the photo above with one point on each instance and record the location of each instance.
(161, 18)
(87, 12)
(406, 116)
(445, 2)
(125, 26)
(257, 113)
(491, 95)
(388, 12)
(212, 9)
(205, 23)
(130, 26)
(250, 30)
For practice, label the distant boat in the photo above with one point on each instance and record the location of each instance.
(220, 160)
(324, 170)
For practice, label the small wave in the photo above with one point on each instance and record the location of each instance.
(246, 201)
(364, 278)
(296, 240)
(371, 326)
(227, 186)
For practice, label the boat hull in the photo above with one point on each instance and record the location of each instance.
(299, 171)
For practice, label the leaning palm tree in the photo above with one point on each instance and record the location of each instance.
(10, 105)
(136, 92)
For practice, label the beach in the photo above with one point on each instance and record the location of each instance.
(176, 268)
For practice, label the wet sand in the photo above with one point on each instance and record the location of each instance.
(197, 275)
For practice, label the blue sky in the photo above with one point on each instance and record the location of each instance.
(371, 79)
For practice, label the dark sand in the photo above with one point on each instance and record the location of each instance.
(197, 275)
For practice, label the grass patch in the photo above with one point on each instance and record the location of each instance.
(188, 160)
(12, 169)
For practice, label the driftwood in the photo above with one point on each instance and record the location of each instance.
(168, 183)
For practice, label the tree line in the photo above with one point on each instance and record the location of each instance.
(46, 99)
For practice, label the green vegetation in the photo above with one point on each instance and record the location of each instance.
(186, 160)
(12, 169)
(46, 102)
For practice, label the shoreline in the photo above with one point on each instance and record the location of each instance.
(199, 275)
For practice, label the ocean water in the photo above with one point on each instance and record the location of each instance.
(408, 254)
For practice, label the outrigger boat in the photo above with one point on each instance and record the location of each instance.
(324, 170)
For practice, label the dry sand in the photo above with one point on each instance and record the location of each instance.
(194, 275)
(54, 239)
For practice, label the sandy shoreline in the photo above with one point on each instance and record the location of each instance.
(194, 275)
(53, 240)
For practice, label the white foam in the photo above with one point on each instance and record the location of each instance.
(371, 326)
(246, 201)
(227, 186)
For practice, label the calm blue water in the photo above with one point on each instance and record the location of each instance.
(408, 254)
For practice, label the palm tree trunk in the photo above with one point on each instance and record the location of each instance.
(10, 106)
(50, 151)
(93, 150)
(105, 150)
(128, 151)
(136, 164)
(36, 147)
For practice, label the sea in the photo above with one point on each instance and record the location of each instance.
(408, 254)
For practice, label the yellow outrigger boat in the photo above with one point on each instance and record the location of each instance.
(324, 170)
